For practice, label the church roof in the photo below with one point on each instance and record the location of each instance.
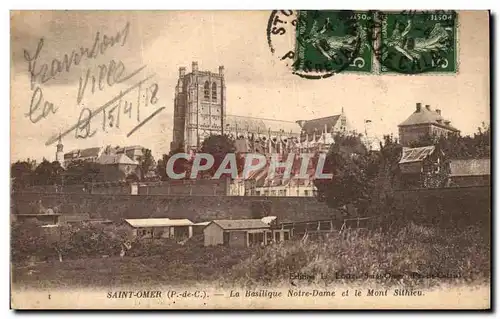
(127, 148)
(260, 125)
(110, 159)
(318, 124)
(424, 115)
(86, 152)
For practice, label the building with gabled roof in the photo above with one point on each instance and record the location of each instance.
(134, 152)
(424, 122)
(261, 183)
(337, 123)
(160, 228)
(120, 163)
(423, 167)
(243, 232)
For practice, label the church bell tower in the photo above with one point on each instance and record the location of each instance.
(60, 152)
(199, 107)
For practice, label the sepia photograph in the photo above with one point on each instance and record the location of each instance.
(279, 159)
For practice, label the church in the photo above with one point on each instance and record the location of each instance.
(200, 111)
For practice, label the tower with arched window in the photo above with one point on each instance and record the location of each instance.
(199, 107)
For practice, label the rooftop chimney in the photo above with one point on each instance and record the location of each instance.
(419, 107)
(195, 66)
(182, 71)
(428, 107)
(438, 111)
(447, 122)
(221, 70)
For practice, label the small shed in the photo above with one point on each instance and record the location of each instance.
(422, 167)
(236, 232)
(161, 228)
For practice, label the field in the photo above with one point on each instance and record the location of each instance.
(412, 256)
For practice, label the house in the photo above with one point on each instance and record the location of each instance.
(278, 232)
(134, 152)
(424, 122)
(178, 229)
(470, 172)
(236, 233)
(244, 232)
(261, 183)
(120, 163)
(422, 167)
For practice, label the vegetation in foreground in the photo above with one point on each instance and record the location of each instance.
(413, 256)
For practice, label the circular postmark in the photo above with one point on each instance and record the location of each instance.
(413, 42)
(315, 44)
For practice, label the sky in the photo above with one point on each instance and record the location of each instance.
(257, 83)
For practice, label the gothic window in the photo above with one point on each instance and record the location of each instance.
(214, 92)
(206, 90)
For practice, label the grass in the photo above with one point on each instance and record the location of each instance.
(394, 258)
(413, 256)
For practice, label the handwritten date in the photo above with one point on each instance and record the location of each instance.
(111, 116)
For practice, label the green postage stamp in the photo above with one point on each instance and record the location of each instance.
(418, 42)
(365, 42)
(332, 42)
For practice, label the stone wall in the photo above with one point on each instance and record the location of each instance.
(458, 206)
(195, 208)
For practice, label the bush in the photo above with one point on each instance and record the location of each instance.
(29, 240)
(415, 255)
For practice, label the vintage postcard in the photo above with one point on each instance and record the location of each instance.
(287, 159)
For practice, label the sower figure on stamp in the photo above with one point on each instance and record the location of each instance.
(412, 47)
(327, 44)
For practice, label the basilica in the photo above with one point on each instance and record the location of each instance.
(200, 111)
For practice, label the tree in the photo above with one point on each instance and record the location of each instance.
(47, 173)
(219, 146)
(106, 173)
(354, 172)
(461, 147)
(161, 167)
(147, 163)
(29, 240)
(22, 173)
(81, 172)
(389, 177)
(132, 177)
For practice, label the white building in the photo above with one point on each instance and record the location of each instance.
(160, 228)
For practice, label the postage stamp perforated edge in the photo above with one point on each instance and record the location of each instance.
(378, 68)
